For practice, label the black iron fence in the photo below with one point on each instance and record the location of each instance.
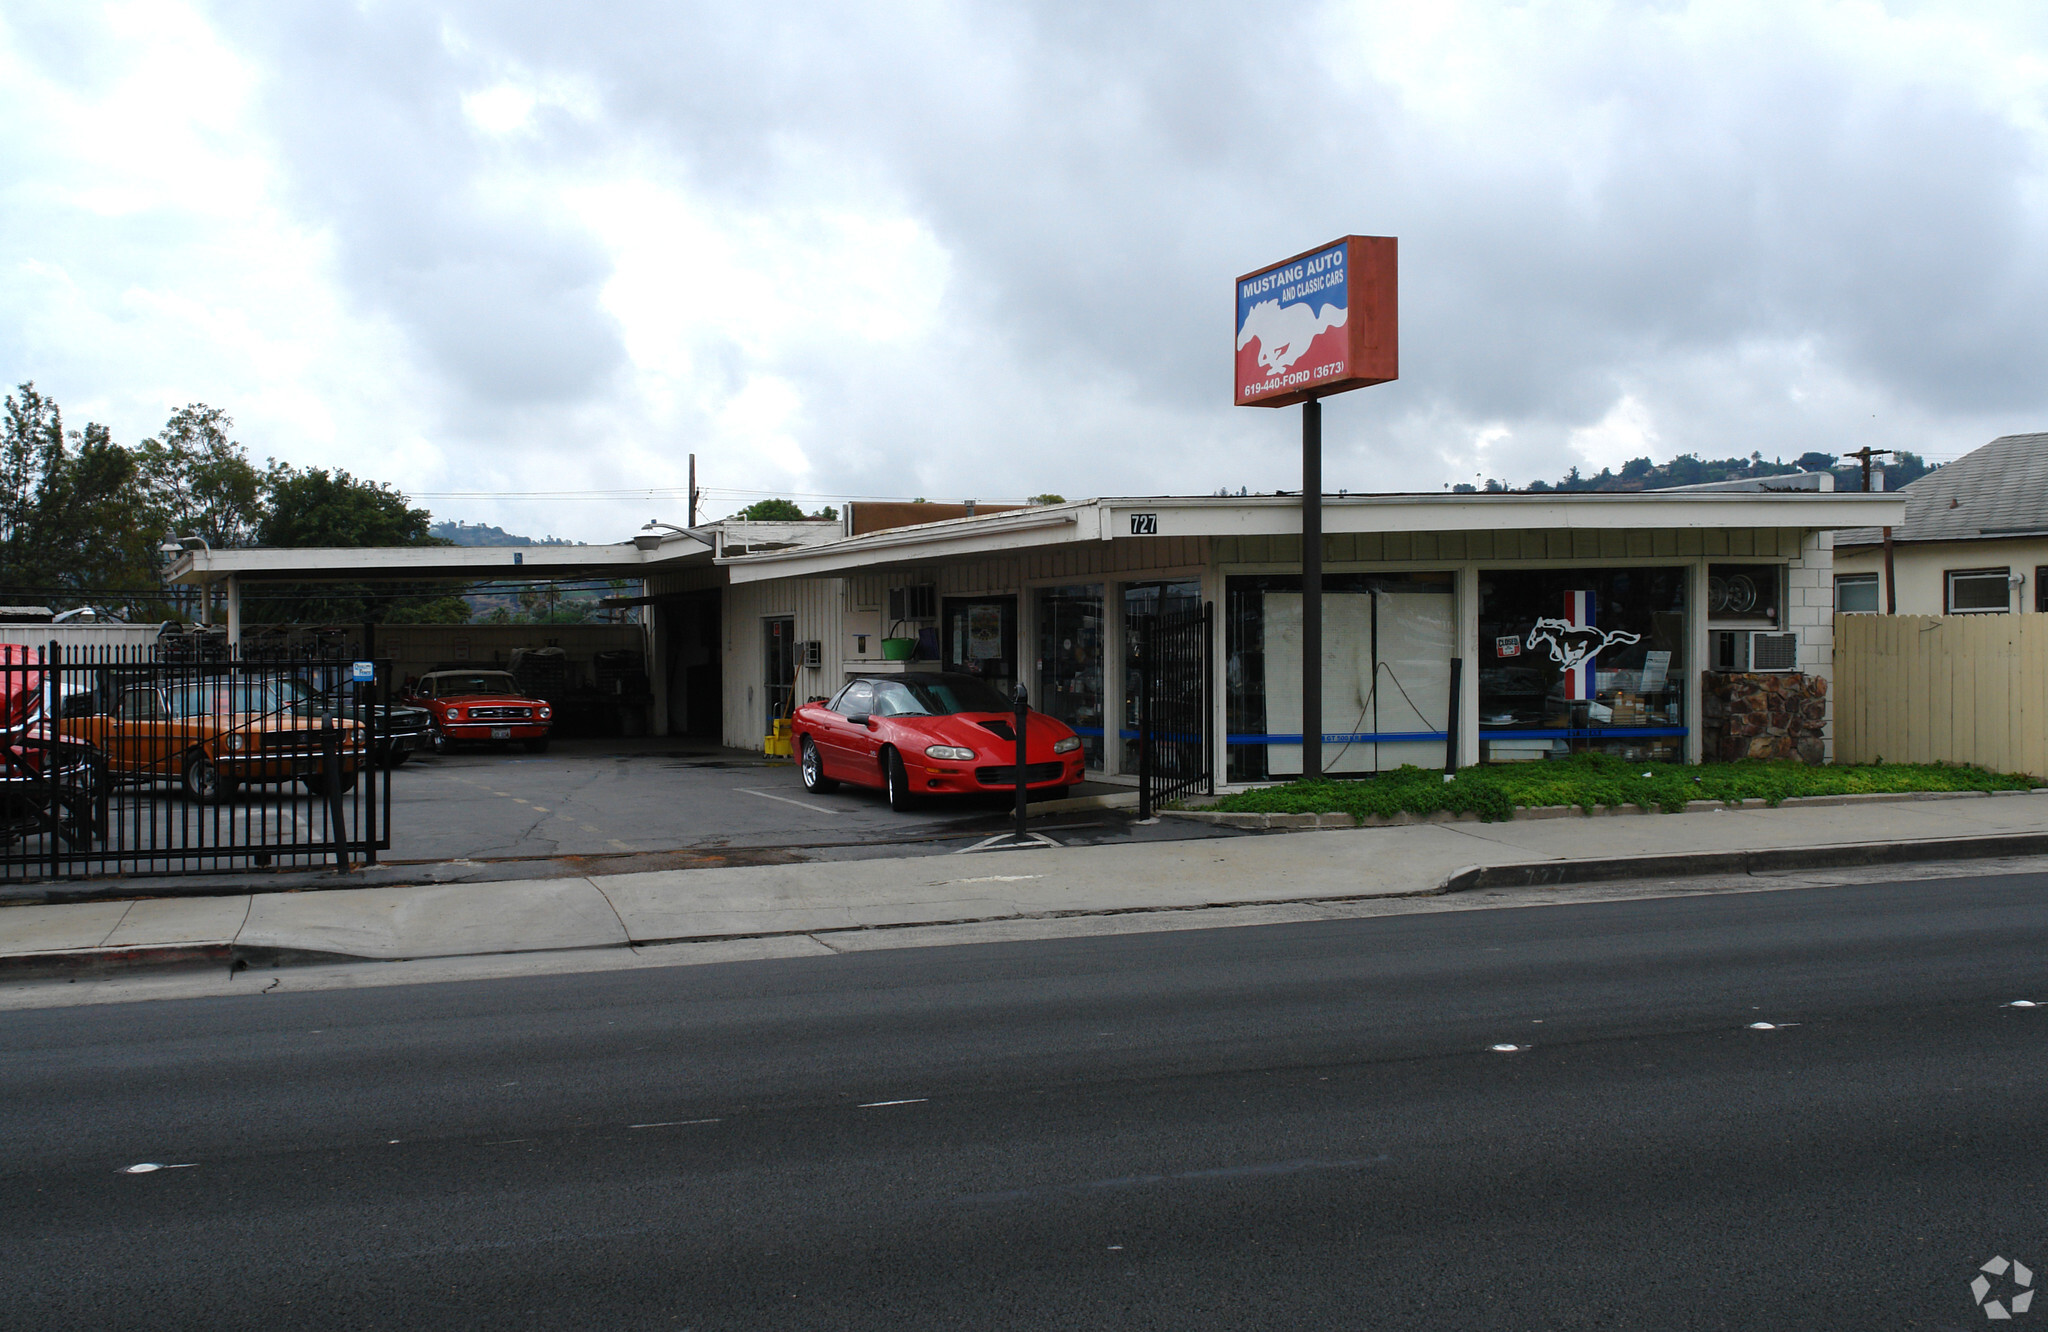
(1174, 708)
(122, 761)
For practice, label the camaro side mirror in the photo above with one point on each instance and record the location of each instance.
(858, 719)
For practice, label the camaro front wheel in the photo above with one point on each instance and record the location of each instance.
(813, 769)
(901, 798)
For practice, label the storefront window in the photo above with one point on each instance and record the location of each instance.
(1070, 662)
(1575, 660)
(1387, 644)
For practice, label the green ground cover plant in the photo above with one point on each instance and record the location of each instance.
(1594, 781)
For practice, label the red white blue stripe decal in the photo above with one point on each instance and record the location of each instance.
(1581, 608)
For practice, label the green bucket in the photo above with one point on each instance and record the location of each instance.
(898, 649)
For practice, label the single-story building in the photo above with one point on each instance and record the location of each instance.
(1974, 540)
(1582, 621)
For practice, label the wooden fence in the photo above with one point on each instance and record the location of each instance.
(1954, 688)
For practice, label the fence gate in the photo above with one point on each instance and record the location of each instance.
(1174, 708)
(125, 761)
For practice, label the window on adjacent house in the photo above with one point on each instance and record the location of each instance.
(1856, 594)
(2041, 587)
(1975, 591)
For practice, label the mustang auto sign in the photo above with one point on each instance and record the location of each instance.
(1317, 324)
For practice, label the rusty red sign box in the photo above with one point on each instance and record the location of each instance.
(1320, 323)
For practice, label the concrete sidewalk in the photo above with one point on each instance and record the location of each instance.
(451, 920)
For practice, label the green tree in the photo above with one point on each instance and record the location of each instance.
(439, 610)
(72, 529)
(31, 459)
(315, 507)
(198, 482)
(1047, 498)
(773, 511)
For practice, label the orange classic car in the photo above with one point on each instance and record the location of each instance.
(212, 734)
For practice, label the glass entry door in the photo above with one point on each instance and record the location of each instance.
(981, 639)
(1070, 641)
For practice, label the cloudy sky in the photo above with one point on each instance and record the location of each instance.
(520, 259)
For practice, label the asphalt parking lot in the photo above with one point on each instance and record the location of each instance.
(593, 798)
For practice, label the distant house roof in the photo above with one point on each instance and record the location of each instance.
(2000, 490)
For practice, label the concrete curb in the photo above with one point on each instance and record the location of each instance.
(1844, 855)
(1311, 822)
(1528, 874)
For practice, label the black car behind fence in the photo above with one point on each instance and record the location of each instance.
(124, 761)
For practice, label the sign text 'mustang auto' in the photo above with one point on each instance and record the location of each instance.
(1317, 324)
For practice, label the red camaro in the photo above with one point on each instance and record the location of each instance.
(930, 734)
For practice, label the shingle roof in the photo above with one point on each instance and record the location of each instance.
(1998, 490)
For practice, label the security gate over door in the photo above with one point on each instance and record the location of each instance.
(1174, 707)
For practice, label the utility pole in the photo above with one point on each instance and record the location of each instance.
(1891, 591)
(693, 492)
(1865, 454)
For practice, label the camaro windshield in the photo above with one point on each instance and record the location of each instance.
(448, 686)
(936, 696)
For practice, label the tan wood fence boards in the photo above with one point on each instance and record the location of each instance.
(1954, 688)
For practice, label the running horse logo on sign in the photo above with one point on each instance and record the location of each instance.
(1575, 640)
(1291, 323)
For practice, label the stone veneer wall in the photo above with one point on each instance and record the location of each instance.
(1766, 716)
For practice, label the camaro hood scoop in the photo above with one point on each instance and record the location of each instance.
(1001, 728)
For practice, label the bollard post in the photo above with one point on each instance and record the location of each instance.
(330, 764)
(1023, 718)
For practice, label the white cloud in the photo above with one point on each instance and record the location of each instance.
(915, 249)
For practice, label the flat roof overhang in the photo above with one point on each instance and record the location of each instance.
(354, 564)
(1280, 515)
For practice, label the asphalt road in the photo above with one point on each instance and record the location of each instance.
(1295, 1126)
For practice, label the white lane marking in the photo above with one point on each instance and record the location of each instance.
(2022, 1003)
(915, 1100)
(1001, 878)
(770, 795)
(673, 1123)
(1007, 842)
(1507, 1048)
(149, 1167)
(1771, 1026)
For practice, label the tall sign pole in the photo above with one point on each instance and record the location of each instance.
(1312, 588)
(1321, 323)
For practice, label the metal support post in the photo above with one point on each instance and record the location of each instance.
(1311, 589)
(330, 765)
(1148, 662)
(1023, 719)
(1451, 724)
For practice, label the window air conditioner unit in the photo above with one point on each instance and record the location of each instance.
(811, 653)
(1753, 650)
(1773, 652)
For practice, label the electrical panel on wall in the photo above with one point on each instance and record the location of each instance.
(811, 653)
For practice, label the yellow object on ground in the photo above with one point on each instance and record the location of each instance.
(776, 743)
